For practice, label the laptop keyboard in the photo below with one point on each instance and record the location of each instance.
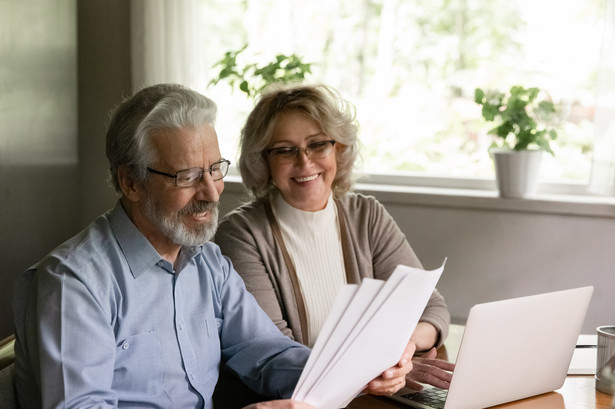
(433, 397)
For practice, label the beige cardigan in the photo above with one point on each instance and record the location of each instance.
(372, 243)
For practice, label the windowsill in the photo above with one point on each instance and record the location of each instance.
(576, 205)
(481, 199)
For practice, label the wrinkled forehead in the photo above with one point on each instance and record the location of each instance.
(186, 147)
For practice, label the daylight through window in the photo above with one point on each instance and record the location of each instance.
(411, 67)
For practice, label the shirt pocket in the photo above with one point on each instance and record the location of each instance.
(138, 365)
(213, 330)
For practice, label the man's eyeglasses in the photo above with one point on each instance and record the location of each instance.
(194, 176)
(314, 150)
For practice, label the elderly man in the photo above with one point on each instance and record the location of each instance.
(139, 309)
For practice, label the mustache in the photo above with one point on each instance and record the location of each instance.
(199, 207)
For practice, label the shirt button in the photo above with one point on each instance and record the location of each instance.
(192, 376)
(181, 327)
(160, 264)
(126, 345)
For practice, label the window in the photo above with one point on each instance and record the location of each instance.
(411, 67)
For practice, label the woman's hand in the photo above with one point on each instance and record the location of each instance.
(427, 369)
(280, 404)
(424, 336)
(394, 378)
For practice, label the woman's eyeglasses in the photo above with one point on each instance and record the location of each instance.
(314, 150)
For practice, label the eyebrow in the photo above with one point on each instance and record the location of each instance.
(308, 138)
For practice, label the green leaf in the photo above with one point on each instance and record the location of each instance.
(479, 96)
(252, 78)
(520, 118)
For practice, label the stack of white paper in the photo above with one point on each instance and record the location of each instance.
(365, 333)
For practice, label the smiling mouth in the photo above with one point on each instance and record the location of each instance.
(205, 216)
(200, 212)
(306, 178)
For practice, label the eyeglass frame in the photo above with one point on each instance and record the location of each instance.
(297, 150)
(202, 170)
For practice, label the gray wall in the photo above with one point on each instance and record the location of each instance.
(38, 137)
(103, 81)
(54, 103)
(495, 254)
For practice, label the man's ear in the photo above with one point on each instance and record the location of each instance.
(129, 186)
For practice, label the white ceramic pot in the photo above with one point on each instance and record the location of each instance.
(516, 172)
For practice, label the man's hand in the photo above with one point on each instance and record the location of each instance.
(427, 369)
(280, 404)
(394, 378)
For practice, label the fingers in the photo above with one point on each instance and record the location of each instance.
(431, 354)
(406, 356)
(414, 386)
(381, 386)
(436, 372)
(438, 363)
(394, 378)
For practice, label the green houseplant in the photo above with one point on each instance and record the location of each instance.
(525, 126)
(251, 78)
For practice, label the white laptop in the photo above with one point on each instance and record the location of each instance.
(512, 349)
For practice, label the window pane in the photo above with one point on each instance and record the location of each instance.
(411, 67)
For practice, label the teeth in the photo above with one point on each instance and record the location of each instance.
(306, 179)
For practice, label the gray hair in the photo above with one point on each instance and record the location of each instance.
(162, 106)
(335, 116)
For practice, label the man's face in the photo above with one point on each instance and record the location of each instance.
(181, 216)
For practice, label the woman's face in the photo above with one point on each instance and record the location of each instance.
(305, 183)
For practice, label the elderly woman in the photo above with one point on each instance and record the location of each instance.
(305, 235)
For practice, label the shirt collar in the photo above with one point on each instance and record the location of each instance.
(138, 251)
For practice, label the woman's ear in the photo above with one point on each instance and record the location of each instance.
(129, 186)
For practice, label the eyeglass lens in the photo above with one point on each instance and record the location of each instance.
(191, 177)
(315, 150)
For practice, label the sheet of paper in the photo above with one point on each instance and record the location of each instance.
(340, 304)
(369, 341)
(359, 321)
(585, 355)
(327, 345)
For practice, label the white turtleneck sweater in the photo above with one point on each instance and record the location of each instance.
(314, 245)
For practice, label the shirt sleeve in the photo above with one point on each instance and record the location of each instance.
(74, 342)
(252, 346)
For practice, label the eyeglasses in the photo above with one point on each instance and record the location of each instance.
(314, 150)
(194, 176)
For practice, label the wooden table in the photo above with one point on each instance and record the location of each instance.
(578, 392)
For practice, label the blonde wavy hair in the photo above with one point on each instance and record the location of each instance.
(323, 104)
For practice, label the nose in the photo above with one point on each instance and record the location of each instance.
(303, 157)
(209, 190)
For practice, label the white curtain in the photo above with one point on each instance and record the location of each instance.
(164, 44)
(603, 165)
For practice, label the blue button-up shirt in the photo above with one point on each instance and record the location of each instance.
(104, 321)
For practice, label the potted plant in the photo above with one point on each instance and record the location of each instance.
(525, 126)
(251, 78)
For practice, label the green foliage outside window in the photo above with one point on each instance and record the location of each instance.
(252, 78)
(411, 69)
